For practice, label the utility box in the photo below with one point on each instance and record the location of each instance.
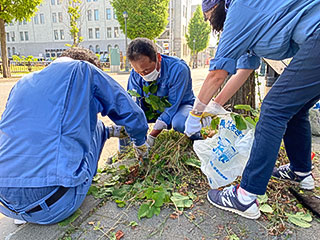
(115, 60)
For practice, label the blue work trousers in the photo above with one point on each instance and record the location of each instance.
(285, 115)
(21, 200)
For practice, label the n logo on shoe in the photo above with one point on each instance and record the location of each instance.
(284, 175)
(226, 201)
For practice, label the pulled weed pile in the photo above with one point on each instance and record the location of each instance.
(170, 177)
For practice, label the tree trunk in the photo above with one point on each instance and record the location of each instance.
(245, 95)
(5, 65)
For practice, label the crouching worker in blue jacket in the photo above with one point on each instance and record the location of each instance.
(171, 80)
(51, 139)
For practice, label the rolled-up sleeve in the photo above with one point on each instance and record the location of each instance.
(248, 61)
(240, 30)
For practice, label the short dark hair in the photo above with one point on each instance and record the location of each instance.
(81, 53)
(142, 47)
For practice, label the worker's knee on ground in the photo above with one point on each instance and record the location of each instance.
(178, 124)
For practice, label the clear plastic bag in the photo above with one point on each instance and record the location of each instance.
(314, 117)
(224, 156)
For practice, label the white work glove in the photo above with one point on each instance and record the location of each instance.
(117, 131)
(150, 140)
(141, 151)
(192, 124)
(206, 121)
(215, 108)
(160, 125)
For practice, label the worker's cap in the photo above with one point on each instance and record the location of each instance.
(208, 4)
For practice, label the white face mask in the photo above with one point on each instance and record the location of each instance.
(151, 76)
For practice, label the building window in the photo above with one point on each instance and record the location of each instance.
(41, 18)
(109, 48)
(26, 36)
(13, 51)
(9, 52)
(115, 15)
(60, 17)
(36, 19)
(59, 2)
(54, 17)
(96, 14)
(116, 46)
(97, 33)
(95, 0)
(56, 35)
(108, 11)
(109, 34)
(89, 12)
(13, 36)
(8, 37)
(61, 35)
(97, 48)
(24, 22)
(53, 2)
(91, 48)
(90, 33)
(116, 32)
(21, 36)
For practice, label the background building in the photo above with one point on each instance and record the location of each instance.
(173, 40)
(48, 32)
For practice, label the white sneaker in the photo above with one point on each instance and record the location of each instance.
(19, 222)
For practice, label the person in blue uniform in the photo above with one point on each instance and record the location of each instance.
(172, 77)
(275, 30)
(51, 138)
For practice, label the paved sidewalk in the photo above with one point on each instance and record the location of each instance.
(202, 222)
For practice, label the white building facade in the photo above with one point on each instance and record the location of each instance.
(48, 32)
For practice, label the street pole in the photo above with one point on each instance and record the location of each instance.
(125, 16)
(194, 48)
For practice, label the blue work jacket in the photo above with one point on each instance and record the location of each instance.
(174, 81)
(50, 119)
(265, 28)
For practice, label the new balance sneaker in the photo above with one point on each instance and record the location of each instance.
(227, 199)
(285, 173)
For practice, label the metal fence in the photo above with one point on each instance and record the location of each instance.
(27, 67)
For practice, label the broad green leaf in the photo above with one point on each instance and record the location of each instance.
(300, 219)
(151, 211)
(240, 122)
(298, 222)
(243, 107)
(143, 210)
(157, 211)
(251, 121)
(153, 88)
(266, 208)
(134, 93)
(304, 216)
(146, 89)
(263, 198)
(215, 122)
(158, 197)
(181, 201)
